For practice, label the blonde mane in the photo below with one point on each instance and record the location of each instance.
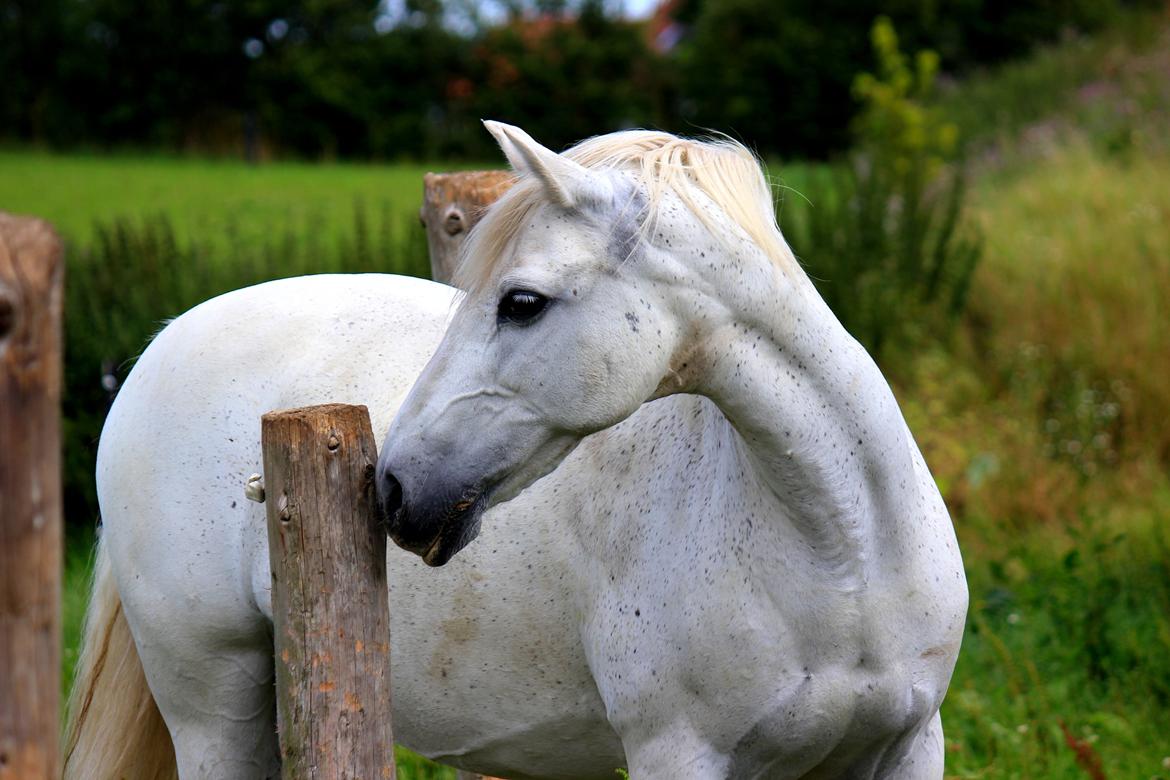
(721, 169)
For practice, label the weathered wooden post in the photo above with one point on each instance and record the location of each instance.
(452, 204)
(329, 599)
(31, 271)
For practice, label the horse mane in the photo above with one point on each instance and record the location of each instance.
(721, 169)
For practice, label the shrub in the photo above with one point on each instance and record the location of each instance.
(884, 236)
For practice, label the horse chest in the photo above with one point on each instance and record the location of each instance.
(775, 694)
(704, 606)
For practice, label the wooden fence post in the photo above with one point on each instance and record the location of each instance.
(31, 271)
(329, 600)
(452, 204)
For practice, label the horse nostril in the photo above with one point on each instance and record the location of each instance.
(389, 497)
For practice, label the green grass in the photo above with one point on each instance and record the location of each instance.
(208, 201)
(1046, 429)
(1075, 290)
(1066, 659)
(74, 598)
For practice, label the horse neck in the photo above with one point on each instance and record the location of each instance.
(821, 426)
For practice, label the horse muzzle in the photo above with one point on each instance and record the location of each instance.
(436, 526)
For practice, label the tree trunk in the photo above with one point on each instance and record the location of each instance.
(31, 271)
(329, 600)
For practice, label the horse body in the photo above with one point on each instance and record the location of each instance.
(473, 644)
(706, 544)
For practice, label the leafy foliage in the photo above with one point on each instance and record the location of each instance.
(897, 127)
(884, 237)
(747, 68)
(360, 79)
(597, 72)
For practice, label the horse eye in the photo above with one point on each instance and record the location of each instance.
(521, 306)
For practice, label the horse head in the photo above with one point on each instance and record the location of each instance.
(578, 309)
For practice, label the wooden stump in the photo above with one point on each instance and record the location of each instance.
(452, 204)
(329, 600)
(31, 271)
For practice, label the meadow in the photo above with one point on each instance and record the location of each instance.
(209, 201)
(1042, 413)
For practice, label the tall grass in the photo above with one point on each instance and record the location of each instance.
(1044, 420)
(219, 204)
(1046, 428)
(889, 254)
(1072, 306)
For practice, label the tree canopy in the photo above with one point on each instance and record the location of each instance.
(411, 78)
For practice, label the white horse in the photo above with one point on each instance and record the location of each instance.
(705, 542)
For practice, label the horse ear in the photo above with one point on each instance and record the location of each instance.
(568, 184)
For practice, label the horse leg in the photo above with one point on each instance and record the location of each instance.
(219, 707)
(924, 758)
(674, 751)
(210, 669)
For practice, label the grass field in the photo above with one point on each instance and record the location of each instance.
(206, 200)
(1065, 670)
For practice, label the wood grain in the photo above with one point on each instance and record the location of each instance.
(329, 599)
(31, 271)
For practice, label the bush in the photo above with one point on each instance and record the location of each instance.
(884, 237)
(136, 275)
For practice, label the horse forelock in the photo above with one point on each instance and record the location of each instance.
(720, 170)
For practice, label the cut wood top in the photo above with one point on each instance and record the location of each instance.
(452, 204)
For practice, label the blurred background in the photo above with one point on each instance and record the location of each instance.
(979, 188)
